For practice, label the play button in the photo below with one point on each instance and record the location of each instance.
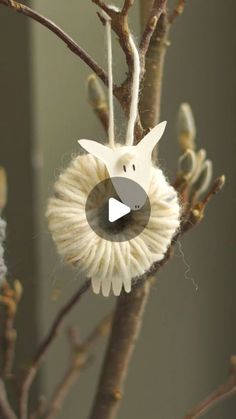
(112, 219)
(116, 210)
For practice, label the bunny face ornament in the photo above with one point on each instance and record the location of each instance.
(132, 249)
(131, 162)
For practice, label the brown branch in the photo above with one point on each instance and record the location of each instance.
(178, 10)
(156, 11)
(44, 348)
(223, 392)
(5, 408)
(10, 298)
(128, 320)
(80, 359)
(127, 5)
(125, 331)
(103, 6)
(150, 100)
(49, 24)
(9, 344)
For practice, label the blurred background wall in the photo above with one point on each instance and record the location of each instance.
(188, 335)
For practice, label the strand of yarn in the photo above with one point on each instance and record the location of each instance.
(3, 268)
(134, 94)
(111, 130)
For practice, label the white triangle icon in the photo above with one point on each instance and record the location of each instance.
(116, 210)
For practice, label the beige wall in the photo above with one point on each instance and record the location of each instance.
(188, 336)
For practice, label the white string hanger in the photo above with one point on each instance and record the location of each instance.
(134, 89)
(111, 126)
(134, 93)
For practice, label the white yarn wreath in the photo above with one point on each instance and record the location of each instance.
(109, 264)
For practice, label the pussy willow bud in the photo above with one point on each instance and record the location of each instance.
(200, 159)
(3, 188)
(204, 179)
(98, 101)
(18, 290)
(187, 164)
(186, 129)
(96, 94)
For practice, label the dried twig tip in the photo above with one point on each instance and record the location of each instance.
(220, 182)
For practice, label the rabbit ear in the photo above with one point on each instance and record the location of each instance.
(148, 143)
(98, 150)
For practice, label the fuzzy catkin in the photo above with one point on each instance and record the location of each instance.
(109, 264)
(3, 268)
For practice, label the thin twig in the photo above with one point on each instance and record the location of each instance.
(150, 100)
(80, 359)
(49, 24)
(223, 392)
(127, 5)
(10, 298)
(9, 344)
(156, 11)
(45, 346)
(5, 408)
(103, 6)
(178, 10)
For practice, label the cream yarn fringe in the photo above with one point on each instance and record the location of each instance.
(108, 264)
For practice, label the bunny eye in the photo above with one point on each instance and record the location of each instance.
(124, 167)
(133, 167)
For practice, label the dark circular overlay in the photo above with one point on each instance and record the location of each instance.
(128, 226)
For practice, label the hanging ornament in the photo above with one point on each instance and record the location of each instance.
(113, 213)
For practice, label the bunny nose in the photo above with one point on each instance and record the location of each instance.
(117, 209)
(130, 192)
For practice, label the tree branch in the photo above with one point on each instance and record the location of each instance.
(125, 330)
(150, 100)
(223, 392)
(10, 298)
(127, 5)
(80, 358)
(156, 11)
(5, 408)
(49, 24)
(45, 346)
